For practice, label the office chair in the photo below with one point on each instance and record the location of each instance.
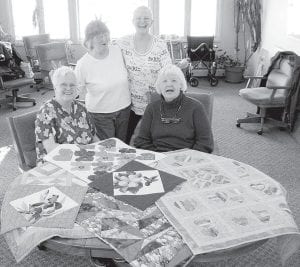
(51, 56)
(30, 42)
(22, 129)
(271, 96)
(14, 86)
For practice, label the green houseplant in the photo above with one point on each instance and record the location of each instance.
(247, 22)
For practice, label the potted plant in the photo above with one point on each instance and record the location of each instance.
(247, 22)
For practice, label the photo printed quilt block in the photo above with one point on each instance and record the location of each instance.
(43, 204)
(137, 182)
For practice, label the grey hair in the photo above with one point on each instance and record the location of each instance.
(170, 69)
(94, 28)
(62, 71)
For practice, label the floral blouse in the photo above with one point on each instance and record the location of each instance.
(75, 127)
(143, 69)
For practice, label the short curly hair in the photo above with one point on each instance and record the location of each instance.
(62, 71)
(94, 28)
(170, 69)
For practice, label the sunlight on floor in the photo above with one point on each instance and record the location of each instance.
(3, 152)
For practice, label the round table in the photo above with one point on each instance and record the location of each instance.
(95, 248)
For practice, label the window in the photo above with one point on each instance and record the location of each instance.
(23, 18)
(171, 14)
(117, 14)
(203, 17)
(56, 19)
(173, 17)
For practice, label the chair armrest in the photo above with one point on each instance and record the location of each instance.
(255, 77)
(1, 83)
(278, 87)
(251, 78)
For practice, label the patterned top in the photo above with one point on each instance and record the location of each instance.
(143, 69)
(74, 127)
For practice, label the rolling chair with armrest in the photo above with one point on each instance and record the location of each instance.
(14, 86)
(51, 56)
(272, 95)
(22, 129)
(30, 42)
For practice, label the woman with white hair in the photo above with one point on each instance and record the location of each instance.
(62, 119)
(175, 121)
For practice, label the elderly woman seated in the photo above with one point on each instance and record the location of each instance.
(62, 120)
(175, 121)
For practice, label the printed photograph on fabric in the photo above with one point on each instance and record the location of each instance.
(43, 204)
(137, 182)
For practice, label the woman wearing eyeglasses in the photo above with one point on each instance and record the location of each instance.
(62, 119)
(144, 56)
(103, 82)
(175, 121)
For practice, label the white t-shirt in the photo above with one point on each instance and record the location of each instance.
(104, 82)
(143, 69)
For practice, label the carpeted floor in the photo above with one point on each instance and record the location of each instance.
(275, 153)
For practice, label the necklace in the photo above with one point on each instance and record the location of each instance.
(168, 120)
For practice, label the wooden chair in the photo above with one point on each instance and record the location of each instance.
(22, 129)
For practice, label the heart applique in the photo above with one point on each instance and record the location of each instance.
(102, 166)
(126, 156)
(109, 143)
(88, 146)
(104, 156)
(127, 150)
(84, 155)
(96, 175)
(146, 156)
(64, 154)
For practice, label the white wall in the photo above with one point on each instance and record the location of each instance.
(275, 38)
(274, 31)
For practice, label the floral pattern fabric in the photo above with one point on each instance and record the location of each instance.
(75, 127)
(143, 69)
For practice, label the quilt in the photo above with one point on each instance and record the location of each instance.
(224, 203)
(137, 184)
(142, 238)
(90, 162)
(42, 201)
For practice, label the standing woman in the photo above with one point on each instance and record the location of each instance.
(103, 81)
(144, 56)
